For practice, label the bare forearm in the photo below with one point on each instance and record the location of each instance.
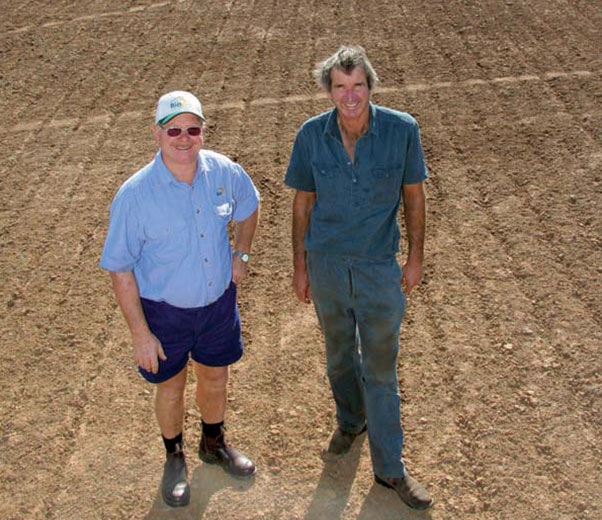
(302, 206)
(300, 223)
(147, 348)
(243, 240)
(245, 231)
(415, 220)
(128, 298)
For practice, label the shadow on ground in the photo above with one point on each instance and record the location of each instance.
(332, 494)
(206, 480)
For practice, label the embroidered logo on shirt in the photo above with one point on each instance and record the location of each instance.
(220, 191)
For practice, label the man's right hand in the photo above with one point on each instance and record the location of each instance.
(301, 285)
(147, 352)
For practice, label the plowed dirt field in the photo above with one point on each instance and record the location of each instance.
(500, 364)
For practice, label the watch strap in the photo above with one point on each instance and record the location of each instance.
(245, 257)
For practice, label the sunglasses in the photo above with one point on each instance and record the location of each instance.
(175, 131)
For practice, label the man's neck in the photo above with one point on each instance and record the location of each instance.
(182, 172)
(353, 129)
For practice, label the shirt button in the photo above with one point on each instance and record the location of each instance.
(210, 284)
(198, 211)
(202, 235)
(206, 260)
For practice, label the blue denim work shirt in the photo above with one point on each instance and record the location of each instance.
(355, 211)
(173, 235)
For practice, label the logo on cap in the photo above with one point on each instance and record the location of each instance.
(176, 102)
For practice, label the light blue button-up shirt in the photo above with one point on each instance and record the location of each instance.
(355, 212)
(174, 235)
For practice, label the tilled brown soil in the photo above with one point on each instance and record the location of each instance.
(500, 366)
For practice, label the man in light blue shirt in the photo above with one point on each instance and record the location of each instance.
(351, 168)
(175, 277)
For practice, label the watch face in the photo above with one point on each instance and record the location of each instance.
(244, 257)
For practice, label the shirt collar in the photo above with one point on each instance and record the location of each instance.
(373, 128)
(332, 126)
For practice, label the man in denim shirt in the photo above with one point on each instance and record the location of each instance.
(351, 167)
(175, 277)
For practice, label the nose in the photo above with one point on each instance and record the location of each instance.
(348, 94)
(184, 135)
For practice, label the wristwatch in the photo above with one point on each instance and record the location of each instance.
(243, 256)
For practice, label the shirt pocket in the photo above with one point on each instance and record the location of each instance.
(386, 184)
(330, 191)
(167, 240)
(223, 209)
(324, 170)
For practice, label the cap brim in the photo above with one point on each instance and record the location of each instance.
(168, 118)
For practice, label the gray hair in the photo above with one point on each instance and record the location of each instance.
(347, 58)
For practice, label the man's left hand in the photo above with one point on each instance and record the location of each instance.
(239, 270)
(412, 275)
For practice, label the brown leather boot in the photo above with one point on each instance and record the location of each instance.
(175, 489)
(215, 450)
(411, 492)
(340, 443)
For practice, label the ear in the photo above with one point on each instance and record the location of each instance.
(155, 129)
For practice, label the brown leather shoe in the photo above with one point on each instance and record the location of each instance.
(215, 450)
(174, 484)
(411, 492)
(340, 443)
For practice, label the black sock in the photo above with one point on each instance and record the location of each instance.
(171, 444)
(212, 430)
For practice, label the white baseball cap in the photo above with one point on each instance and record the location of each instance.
(177, 102)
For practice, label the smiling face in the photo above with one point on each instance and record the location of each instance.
(179, 153)
(350, 94)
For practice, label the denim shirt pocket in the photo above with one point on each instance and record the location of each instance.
(329, 188)
(223, 209)
(386, 184)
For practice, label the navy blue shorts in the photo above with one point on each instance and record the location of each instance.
(211, 335)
